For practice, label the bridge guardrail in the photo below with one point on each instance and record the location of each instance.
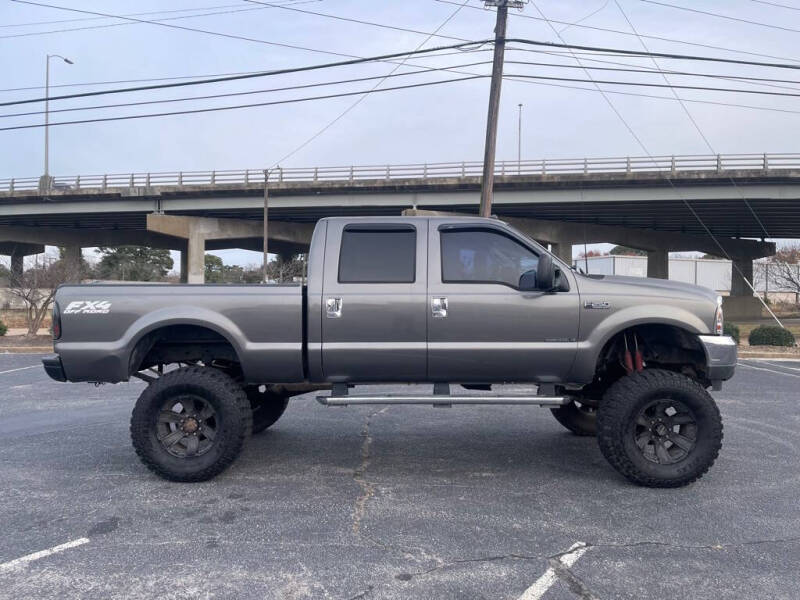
(543, 167)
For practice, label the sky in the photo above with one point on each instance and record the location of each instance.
(439, 123)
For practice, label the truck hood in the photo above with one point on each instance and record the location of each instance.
(655, 287)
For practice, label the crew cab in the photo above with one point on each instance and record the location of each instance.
(461, 303)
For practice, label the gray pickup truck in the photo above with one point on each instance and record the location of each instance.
(460, 303)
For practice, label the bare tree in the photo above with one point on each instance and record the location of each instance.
(781, 273)
(37, 286)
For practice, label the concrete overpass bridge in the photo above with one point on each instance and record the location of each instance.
(658, 204)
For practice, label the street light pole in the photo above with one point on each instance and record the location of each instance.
(490, 148)
(47, 115)
(519, 142)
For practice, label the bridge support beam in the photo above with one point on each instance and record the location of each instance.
(562, 250)
(742, 303)
(73, 257)
(658, 264)
(18, 251)
(202, 233)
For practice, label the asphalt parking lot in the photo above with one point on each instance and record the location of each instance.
(404, 502)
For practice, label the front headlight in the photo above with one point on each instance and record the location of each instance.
(719, 325)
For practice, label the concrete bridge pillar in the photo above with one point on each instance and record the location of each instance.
(184, 272)
(73, 257)
(562, 250)
(18, 251)
(741, 274)
(742, 303)
(658, 264)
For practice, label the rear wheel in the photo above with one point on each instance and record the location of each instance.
(579, 418)
(267, 407)
(659, 428)
(190, 424)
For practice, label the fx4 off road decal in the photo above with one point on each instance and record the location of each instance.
(88, 307)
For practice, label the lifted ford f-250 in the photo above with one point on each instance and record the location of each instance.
(448, 301)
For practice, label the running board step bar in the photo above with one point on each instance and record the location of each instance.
(442, 400)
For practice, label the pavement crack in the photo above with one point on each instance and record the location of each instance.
(573, 582)
(359, 474)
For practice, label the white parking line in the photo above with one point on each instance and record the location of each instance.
(741, 364)
(19, 369)
(23, 560)
(545, 582)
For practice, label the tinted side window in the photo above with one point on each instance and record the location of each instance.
(378, 255)
(483, 256)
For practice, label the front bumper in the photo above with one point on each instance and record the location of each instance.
(54, 368)
(721, 353)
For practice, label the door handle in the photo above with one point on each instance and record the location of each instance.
(333, 308)
(439, 307)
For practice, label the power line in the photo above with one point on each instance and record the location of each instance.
(654, 97)
(184, 28)
(511, 77)
(666, 177)
(240, 106)
(358, 101)
(628, 33)
(693, 120)
(354, 61)
(207, 75)
(129, 22)
(235, 94)
(143, 14)
(640, 53)
(353, 20)
(661, 85)
(721, 16)
(775, 4)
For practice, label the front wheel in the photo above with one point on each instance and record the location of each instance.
(190, 424)
(659, 428)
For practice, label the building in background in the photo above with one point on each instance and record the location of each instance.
(710, 273)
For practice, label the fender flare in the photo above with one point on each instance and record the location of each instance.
(167, 317)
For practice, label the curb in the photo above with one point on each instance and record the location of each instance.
(26, 350)
(768, 355)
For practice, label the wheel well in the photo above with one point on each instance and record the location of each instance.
(183, 343)
(662, 346)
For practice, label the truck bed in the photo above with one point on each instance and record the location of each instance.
(104, 325)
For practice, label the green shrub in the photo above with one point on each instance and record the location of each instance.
(732, 330)
(3, 328)
(769, 335)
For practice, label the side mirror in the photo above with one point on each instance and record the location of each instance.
(527, 281)
(545, 273)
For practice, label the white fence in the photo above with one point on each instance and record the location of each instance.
(719, 163)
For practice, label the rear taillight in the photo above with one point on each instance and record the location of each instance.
(56, 321)
(719, 325)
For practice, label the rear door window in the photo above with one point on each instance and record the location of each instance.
(378, 254)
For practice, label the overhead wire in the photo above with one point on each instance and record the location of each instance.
(241, 106)
(235, 94)
(627, 33)
(722, 16)
(359, 100)
(666, 177)
(316, 67)
(138, 22)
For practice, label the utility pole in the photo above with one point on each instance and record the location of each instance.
(266, 223)
(494, 101)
